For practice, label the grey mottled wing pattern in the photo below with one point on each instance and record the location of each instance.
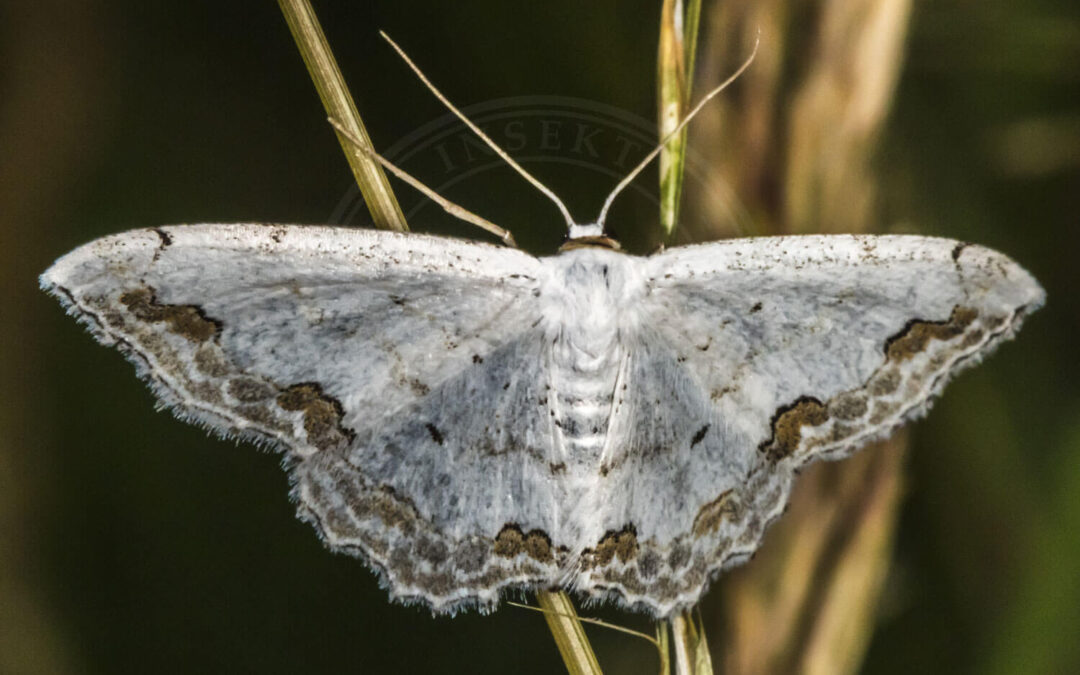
(757, 356)
(456, 415)
(457, 495)
(386, 365)
(675, 455)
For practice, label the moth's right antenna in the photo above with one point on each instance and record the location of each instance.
(484, 137)
(686, 120)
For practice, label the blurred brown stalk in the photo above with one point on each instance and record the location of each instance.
(795, 141)
(54, 105)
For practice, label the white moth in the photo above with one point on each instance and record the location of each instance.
(469, 418)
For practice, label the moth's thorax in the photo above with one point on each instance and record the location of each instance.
(589, 302)
(589, 294)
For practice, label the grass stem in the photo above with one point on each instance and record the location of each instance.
(339, 105)
(569, 634)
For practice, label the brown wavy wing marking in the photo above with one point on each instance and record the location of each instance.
(917, 334)
(712, 514)
(199, 376)
(511, 542)
(322, 415)
(621, 544)
(420, 561)
(847, 411)
(787, 424)
(664, 577)
(188, 321)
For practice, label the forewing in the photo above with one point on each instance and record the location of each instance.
(815, 344)
(458, 496)
(757, 356)
(388, 366)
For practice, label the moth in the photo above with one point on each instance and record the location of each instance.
(468, 418)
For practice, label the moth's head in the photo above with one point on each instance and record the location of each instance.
(589, 235)
(586, 230)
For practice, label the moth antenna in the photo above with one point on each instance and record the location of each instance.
(447, 205)
(484, 137)
(686, 120)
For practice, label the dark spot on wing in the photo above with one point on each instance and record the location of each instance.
(538, 545)
(973, 338)
(885, 382)
(471, 556)
(787, 425)
(848, 406)
(166, 241)
(679, 556)
(322, 414)
(436, 435)
(621, 544)
(917, 334)
(699, 436)
(755, 308)
(711, 515)
(434, 551)
(511, 541)
(649, 564)
(249, 390)
(958, 249)
(188, 321)
(210, 361)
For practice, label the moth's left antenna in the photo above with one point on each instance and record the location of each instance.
(686, 120)
(484, 137)
(448, 206)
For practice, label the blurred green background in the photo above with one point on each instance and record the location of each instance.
(130, 542)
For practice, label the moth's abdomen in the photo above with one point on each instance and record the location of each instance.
(583, 394)
(586, 304)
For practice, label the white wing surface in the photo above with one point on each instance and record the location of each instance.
(469, 418)
(386, 365)
(756, 356)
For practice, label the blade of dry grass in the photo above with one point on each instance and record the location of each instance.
(596, 622)
(674, 71)
(692, 655)
(663, 640)
(674, 74)
(796, 141)
(339, 105)
(561, 617)
(838, 114)
(807, 602)
(569, 634)
(341, 109)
